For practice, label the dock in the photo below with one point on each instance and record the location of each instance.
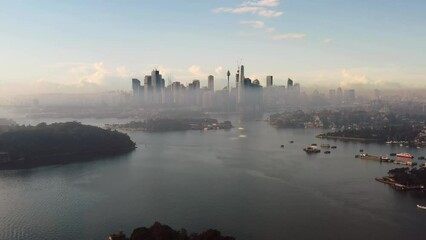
(400, 187)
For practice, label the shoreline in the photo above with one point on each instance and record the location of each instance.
(398, 186)
(66, 158)
(349, 138)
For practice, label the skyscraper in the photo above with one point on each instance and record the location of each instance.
(242, 76)
(289, 83)
(157, 80)
(147, 87)
(196, 84)
(136, 85)
(269, 81)
(211, 83)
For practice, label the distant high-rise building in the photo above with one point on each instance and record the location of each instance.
(211, 83)
(269, 81)
(196, 84)
(147, 87)
(289, 83)
(157, 80)
(136, 85)
(349, 96)
(237, 78)
(339, 95)
(242, 76)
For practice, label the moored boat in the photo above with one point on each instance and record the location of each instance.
(404, 155)
(421, 207)
(311, 149)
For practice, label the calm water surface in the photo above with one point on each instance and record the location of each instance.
(240, 182)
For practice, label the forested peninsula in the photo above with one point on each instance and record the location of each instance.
(43, 144)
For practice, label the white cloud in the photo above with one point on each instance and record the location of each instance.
(261, 8)
(262, 3)
(123, 72)
(219, 70)
(254, 24)
(287, 36)
(195, 70)
(95, 77)
(269, 13)
(237, 10)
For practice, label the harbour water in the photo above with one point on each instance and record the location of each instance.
(239, 181)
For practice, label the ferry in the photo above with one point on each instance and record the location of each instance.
(421, 207)
(404, 155)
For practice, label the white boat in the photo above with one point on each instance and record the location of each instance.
(421, 207)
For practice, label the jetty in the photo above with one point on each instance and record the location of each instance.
(400, 187)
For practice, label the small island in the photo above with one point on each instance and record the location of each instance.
(172, 124)
(159, 231)
(43, 144)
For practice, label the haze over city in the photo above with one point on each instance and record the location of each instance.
(96, 46)
(212, 119)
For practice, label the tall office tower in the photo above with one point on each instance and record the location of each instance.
(211, 83)
(238, 85)
(176, 92)
(196, 84)
(242, 76)
(229, 92)
(147, 88)
(289, 83)
(157, 80)
(228, 74)
(136, 85)
(339, 95)
(349, 96)
(237, 78)
(269, 81)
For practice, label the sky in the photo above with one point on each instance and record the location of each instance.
(85, 46)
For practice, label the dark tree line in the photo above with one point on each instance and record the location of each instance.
(29, 142)
(409, 177)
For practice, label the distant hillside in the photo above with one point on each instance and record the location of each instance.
(47, 144)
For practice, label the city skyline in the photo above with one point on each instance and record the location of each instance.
(99, 46)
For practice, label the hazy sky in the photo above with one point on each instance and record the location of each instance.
(69, 46)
